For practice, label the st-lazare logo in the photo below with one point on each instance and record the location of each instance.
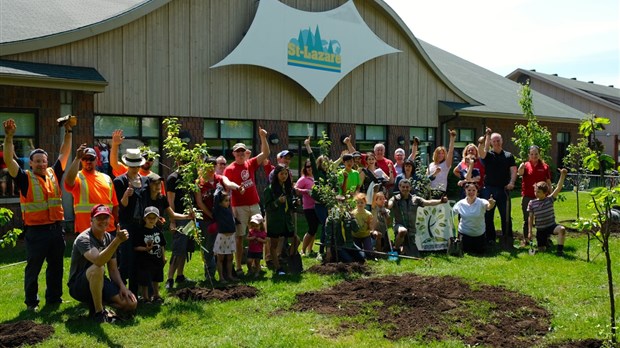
(308, 50)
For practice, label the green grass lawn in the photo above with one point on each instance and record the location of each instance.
(573, 290)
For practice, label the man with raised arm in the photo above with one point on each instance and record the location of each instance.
(41, 205)
(501, 174)
(245, 203)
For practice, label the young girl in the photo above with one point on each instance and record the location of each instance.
(381, 220)
(224, 247)
(257, 236)
(150, 256)
(361, 237)
(279, 209)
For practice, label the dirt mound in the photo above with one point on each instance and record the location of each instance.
(589, 343)
(24, 332)
(434, 308)
(222, 294)
(340, 268)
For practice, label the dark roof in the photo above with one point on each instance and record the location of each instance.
(601, 92)
(52, 71)
(497, 95)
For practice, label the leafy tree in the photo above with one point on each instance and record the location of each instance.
(531, 133)
(189, 163)
(574, 162)
(603, 199)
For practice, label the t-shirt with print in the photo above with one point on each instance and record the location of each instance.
(243, 175)
(153, 257)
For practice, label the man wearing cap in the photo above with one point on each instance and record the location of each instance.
(129, 187)
(89, 188)
(245, 204)
(40, 200)
(92, 251)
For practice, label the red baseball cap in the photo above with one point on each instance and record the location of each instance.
(100, 209)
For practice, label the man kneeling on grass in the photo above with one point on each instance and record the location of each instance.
(542, 215)
(92, 250)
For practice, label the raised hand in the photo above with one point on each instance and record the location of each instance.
(117, 137)
(9, 127)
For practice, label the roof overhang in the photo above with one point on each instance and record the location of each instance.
(466, 110)
(38, 75)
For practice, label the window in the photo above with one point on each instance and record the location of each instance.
(24, 141)
(297, 133)
(138, 131)
(563, 139)
(221, 135)
(427, 141)
(366, 137)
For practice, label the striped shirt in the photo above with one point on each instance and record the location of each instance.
(544, 216)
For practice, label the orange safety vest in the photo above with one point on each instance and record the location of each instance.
(83, 206)
(43, 202)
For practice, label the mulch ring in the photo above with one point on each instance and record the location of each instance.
(24, 332)
(229, 293)
(340, 268)
(433, 309)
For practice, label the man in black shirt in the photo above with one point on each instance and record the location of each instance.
(501, 173)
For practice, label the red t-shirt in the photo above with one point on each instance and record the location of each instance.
(255, 246)
(532, 175)
(207, 190)
(478, 165)
(243, 174)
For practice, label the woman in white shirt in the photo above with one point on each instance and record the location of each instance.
(471, 225)
(440, 167)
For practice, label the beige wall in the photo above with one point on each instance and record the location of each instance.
(159, 65)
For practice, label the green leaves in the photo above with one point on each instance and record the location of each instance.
(531, 133)
(10, 237)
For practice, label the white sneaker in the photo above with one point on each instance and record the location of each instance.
(319, 257)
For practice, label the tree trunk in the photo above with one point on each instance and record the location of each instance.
(612, 303)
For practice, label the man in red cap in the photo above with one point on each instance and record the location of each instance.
(92, 251)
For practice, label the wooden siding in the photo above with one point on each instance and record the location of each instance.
(159, 65)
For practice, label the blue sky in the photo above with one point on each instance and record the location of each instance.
(571, 38)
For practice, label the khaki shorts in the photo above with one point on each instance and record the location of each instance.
(243, 213)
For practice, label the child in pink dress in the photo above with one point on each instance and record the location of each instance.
(257, 236)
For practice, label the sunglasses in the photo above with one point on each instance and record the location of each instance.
(88, 159)
(221, 164)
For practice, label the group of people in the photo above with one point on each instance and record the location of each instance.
(120, 222)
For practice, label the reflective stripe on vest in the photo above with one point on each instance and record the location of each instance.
(83, 205)
(35, 208)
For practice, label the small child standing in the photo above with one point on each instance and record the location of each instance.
(257, 236)
(362, 237)
(224, 247)
(150, 256)
(542, 215)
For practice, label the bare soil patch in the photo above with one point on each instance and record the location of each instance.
(340, 268)
(24, 332)
(433, 309)
(229, 293)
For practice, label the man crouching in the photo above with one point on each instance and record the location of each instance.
(92, 250)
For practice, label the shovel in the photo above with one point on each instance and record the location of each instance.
(391, 255)
(532, 250)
